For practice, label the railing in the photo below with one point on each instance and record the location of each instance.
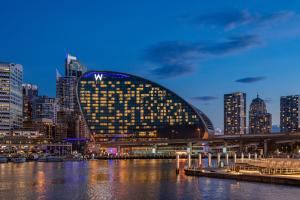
(271, 165)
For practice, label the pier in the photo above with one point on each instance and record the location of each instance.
(284, 171)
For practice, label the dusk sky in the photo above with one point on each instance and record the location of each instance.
(199, 49)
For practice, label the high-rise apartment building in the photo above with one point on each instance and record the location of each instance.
(290, 113)
(66, 85)
(68, 112)
(11, 100)
(66, 93)
(235, 113)
(260, 121)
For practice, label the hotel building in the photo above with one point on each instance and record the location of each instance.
(119, 106)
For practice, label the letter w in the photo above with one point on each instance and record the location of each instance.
(98, 76)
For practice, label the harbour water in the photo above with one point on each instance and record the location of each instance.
(125, 179)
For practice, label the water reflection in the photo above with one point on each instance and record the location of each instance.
(125, 179)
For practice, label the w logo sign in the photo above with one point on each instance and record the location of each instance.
(98, 77)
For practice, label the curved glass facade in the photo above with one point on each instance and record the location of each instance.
(118, 106)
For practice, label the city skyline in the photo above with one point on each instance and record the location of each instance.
(183, 47)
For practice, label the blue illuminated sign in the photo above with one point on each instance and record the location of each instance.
(101, 75)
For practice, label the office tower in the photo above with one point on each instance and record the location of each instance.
(11, 100)
(260, 121)
(289, 113)
(235, 113)
(30, 92)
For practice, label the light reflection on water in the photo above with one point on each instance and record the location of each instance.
(125, 179)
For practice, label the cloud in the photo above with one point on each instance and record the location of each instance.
(204, 98)
(251, 79)
(233, 19)
(174, 58)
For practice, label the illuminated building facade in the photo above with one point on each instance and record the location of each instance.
(235, 113)
(290, 113)
(11, 100)
(260, 121)
(118, 106)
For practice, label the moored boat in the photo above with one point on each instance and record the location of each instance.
(18, 159)
(3, 159)
(50, 158)
(54, 159)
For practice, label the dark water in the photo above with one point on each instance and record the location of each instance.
(126, 179)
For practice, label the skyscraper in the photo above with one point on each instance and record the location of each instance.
(290, 113)
(260, 121)
(73, 67)
(30, 92)
(235, 113)
(11, 100)
(68, 108)
(66, 85)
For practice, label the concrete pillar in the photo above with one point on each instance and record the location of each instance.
(241, 146)
(189, 147)
(255, 156)
(119, 150)
(249, 156)
(199, 160)
(227, 159)
(177, 164)
(265, 148)
(234, 158)
(63, 151)
(242, 157)
(189, 160)
(219, 159)
(209, 160)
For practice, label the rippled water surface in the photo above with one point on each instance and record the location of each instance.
(125, 179)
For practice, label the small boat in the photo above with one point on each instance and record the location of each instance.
(3, 159)
(33, 157)
(18, 159)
